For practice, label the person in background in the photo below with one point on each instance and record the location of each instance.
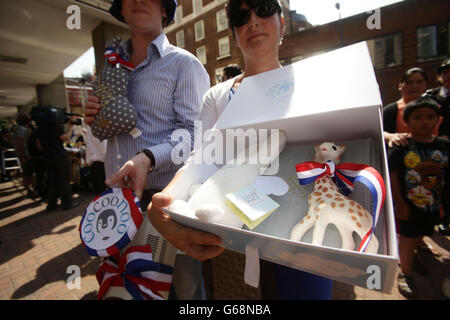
(95, 159)
(420, 180)
(37, 162)
(231, 71)
(58, 167)
(21, 133)
(412, 86)
(441, 95)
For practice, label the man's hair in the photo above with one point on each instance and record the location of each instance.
(232, 70)
(422, 102)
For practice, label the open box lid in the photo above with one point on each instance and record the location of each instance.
(340, 79)
(332, 95)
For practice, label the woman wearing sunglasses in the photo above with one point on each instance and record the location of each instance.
(258, 28)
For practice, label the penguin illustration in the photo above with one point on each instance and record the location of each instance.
(106, 222)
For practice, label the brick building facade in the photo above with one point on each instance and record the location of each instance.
(412, 33)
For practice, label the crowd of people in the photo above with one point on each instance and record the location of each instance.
(52, 159)
(416, 131)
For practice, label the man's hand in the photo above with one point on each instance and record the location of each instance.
(92, 108)
(133, 174)
(197, 244)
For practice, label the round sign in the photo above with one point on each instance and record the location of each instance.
(110, 222)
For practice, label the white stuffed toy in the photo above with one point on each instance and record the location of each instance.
(208, 201)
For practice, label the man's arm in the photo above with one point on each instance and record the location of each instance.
(192, 83)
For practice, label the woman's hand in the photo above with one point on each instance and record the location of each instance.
(197, 244)
(398, 139)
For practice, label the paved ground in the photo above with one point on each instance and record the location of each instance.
(37, 247)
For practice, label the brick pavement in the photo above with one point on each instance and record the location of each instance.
(37, 247)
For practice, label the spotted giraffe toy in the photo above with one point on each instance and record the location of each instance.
(328, 205)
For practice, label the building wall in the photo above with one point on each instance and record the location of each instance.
(404, 17)
(208, 15)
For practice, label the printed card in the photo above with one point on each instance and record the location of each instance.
(251, 205)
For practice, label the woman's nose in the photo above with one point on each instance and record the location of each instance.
(254, 20)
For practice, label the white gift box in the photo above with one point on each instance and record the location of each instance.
(329, 97)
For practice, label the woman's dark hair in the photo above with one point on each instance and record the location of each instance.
(411, 71)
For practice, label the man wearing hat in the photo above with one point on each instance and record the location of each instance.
(166, 88)
(442, 96)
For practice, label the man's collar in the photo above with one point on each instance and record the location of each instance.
(161, 43)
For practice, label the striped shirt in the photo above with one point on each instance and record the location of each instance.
(167, 90)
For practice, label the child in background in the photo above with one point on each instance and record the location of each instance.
(420, 181)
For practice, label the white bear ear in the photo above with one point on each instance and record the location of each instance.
(342, 148)
(316, 147)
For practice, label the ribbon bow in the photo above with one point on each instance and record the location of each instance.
(142, 277)
(114, 58)
(345, 176)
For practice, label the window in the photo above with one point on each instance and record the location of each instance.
(433, 42)
(180, 38)
(201, 54)
(221, 18)
(224, 47)
(197, 6)
(218, 75)
(386, 51)
(199, 30)
(179, 15)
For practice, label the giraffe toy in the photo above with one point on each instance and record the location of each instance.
(328, 205)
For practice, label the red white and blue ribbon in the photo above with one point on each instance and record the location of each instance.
(346, 175)
(114, 58)
(133, 218)
(136, 271)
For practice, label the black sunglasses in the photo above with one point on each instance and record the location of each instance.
(264, 10)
